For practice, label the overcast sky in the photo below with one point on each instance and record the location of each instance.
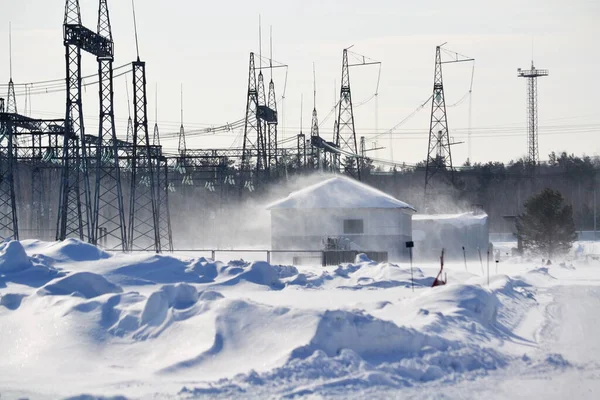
(205, 45)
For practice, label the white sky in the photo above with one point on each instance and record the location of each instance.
(204, 46)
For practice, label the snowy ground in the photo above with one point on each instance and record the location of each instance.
(75, 320)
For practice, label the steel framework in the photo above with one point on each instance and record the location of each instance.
(108, 218)
(251, 126)
(143, 215)
(345, 132)
(439, 153)
(533, 153)
(75, 218)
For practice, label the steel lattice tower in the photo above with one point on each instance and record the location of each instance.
(345, 132)
(143, 215)
(9, 227)
(182, 147)
(162, 193)
(74, 211)
(439, 156)
(261, 162)
(533, 154)
(273, 159)
(108, 222)
(11, 100)
(251, 124)
(314, 129)
(165, 232)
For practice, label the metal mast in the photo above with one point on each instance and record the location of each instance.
(251, 124)
(9, 227)
(182, 147)
(143, 212)
(143, 219)
(533, 154)
(11, 100)
(108, 222)
(345, 131)
(273, 158)
(75, 213)
(314, 128)
(162, 190)
(439, 155)
(261, 162)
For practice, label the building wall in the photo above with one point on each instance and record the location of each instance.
(432, 235)
(383, 229)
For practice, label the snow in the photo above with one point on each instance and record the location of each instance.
(339, 193)
(78, 322)
(458, 220)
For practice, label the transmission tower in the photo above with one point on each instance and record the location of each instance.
(533, 154)
(345, 131)
(9, 227)
(143, 216)
(11, 100)
(251, 125)
(273, 159)
(272, 156)
(182, 147)
(439, 154)
(75, 217)
(108, 222)
(261, 161)
(314, 129)
(162, 188)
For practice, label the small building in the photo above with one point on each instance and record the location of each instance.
(344, 213)
(451, 232)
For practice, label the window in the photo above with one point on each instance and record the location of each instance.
(354, 226)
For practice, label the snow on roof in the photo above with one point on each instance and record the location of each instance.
(463, 218)
(339, 192)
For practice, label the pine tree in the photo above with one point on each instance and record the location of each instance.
(547, 225)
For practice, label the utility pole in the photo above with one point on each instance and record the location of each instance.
(533, 155)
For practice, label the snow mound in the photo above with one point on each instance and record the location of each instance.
(320, 375)
(85, 284)
(251, 332)
(166, 269)
(180, 296)
(468, 302)
(12, 301)
(17, 267)
(74, 250)
(369, 337)
(13, 257)
(263, 273)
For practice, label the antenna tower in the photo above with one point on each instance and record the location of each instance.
(533, 153)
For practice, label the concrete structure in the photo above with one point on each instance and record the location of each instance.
(431, 233)
(342, 210)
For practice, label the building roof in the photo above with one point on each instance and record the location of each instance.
(467, 218)
(339, 193)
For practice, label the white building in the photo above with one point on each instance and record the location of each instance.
(451, 232)
(361, 217)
